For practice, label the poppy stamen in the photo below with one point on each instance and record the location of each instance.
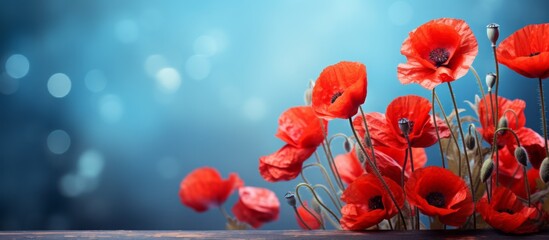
(436, 199)
(439, 56)
(335, 96)
(534, 54)
(375, 203)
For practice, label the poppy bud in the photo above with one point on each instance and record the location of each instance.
(316, 206)
(521, 156)
(490, 80)
(503, 122)
(311, 84)
(486, 169)
(404, 125)
(347, 145)
(308, 96)
(367, 141)
(470, 141)
(492, 30)
(359, 153)
(544, 170)
(290, 198)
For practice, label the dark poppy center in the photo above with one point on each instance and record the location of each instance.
(336, 95)
(439, 56)
(375, 203)
(436, 199)
(507, 210)
(534, 54)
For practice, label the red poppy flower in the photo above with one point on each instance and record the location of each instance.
(256, 206)
(204, 188)
(441, 50)
(519, 188)
(507, 108)
(368, 203)
(285, 164)
(300, 127)
(507, 213)
(439, 192)
(510, 170)
(340, 90)
(419, 155)
(526, 51)
(385, 130)
(534, 145)
(311, 222)
(349, 166)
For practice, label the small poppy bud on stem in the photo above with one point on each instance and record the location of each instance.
(359, 153)
(290, 198)
(470, 141)
(308, 96)
(490, 80)
(492, 30)
(347, 145)
(486, 169)
(503, 122)
(521, 156)
(544, 170)
(404, 125)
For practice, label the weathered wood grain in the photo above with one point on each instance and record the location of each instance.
(266, 234)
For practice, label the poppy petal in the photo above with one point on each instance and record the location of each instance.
(285, 164)
(300, 127)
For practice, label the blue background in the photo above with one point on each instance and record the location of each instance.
(159, 88)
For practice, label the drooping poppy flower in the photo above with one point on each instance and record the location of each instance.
(368, 203)
(339, 90)
(311, 222)
(534, 144)
(512, 110)
(412, 110)
(439, 192)
(204, 188)
(300, 127)
(349, 166)
(507, 213)
(441, 50)
(256, 206)
(526, 51)
(285, 164)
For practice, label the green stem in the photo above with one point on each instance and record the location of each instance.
(542, 110)
(301, 219)
(479, 82)
(454, 138)
(224, 212)
(436, 130)
(464, 150)
(527, 185)
(377, 173)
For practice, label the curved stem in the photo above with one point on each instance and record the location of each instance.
(301, 219)
(479, 82)
(332, 164)
(465, 151)
(542, 110)
(527, 185)
(336, 203)
(436, 130)
(367, 132)
(451, 132)
(331, 194)
(378, 175)
(316, 198)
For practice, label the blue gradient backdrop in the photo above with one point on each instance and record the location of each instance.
(150, 90)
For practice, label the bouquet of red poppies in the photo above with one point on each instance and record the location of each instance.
(492, 173)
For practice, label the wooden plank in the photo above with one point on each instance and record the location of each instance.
(266, 234)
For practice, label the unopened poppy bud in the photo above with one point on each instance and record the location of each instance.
(347, 145)
(521, 155)
(470, 141)
(490, 80)
(290, 198)
(359, 153)
(367, 141)
(486, 169)
(404, 125)
(503, 122)
(544, 170)
(492, 30)
(311, 84)
(308, 96)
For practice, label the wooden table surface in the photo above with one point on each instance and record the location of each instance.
(265, 234)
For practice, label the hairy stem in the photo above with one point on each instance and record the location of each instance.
(436, 130)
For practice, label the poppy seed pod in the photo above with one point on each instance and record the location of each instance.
(490, 80)
(404, 125)
(290, 198)
(544, 170)
(492, 30)
(470, 141)
(503, 122)
(486, 169)
(521, 156)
